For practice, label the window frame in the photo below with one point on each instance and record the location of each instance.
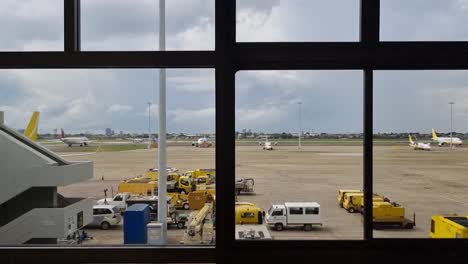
(229, 56)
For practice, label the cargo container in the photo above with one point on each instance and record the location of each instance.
(449, 226)
(136, 217)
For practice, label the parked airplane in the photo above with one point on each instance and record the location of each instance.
(70, 141)
(446, 140)
(419, 145)
(202, 143)
(136, 140)
(267, 145)
(32, 128)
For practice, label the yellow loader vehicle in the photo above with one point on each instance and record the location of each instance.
(387, 215)
(198, 199)
(449, 226)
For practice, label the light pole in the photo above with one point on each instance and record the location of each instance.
(451, 124)
(162, 174)
(149, 125)
(300, 124)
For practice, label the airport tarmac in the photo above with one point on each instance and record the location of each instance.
(427, 183)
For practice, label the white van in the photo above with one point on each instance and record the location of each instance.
(105, 216)
(281, 216)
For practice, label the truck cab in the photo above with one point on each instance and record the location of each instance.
(341, 194)
(184, 185)
(119, 201)
(352, 202)
(294, 214)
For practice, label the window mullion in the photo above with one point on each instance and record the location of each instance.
(72, 26)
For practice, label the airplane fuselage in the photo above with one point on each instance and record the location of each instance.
(267, 146)
(70, 141)
(421, 146)
(441, 141)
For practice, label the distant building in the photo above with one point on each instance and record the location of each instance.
(109, 132)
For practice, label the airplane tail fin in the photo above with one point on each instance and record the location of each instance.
(434, 135)
(62, 135)
(410, 140)
(32, 128)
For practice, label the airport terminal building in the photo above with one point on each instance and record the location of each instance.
(31, 209)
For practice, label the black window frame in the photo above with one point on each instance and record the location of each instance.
(229, 56)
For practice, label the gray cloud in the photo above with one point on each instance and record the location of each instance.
(81, 100)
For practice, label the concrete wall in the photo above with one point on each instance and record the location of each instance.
(36, 197)
(46, 223)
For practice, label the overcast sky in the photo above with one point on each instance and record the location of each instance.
(92, 100)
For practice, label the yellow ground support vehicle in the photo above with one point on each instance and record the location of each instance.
(449, 226)
(204, 179)
(387, 214)
(198, 199)
(138, 186)
(354, 202)
(153, 173)
(200, 172)
(341, 194)
(179, 201)
(185, 185)
(248, 214)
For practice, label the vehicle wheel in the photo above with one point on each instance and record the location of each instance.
(180, 225)
(105, 225)
(69, 145)
(186, 206)
(308, 227)
(351, 210)
(279, 227)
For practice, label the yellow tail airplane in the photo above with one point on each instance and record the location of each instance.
(31, 130)
(441, 141)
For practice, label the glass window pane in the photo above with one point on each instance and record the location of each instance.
(415, 167)
(125, 25)
(31, 25)
(297, 20)
(106, 119)
(292, 184)
(419, 20)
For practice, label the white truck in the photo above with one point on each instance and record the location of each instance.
(119, 200)
(285, 215)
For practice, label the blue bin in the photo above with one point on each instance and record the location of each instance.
(136, 217)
